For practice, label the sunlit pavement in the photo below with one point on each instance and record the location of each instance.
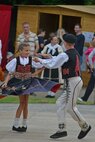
(42, 122)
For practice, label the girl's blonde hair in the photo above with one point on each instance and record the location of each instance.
(60, 30)
(22, 45)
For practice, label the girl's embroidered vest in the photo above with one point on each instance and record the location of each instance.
(72, 67)
(23, 72)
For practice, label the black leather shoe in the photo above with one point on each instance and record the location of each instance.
(19, 129)
(48, 96)
(59, 135)
(24, 128)
(82, 134)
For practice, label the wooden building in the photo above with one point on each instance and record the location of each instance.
(51, 18)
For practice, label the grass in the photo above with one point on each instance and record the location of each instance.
(85, 103)
(36, 99)
(32, 99)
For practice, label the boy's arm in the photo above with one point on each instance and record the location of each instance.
(36, 65)
(54, 62)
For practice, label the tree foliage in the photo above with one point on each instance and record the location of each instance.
(89, 2)
(48, 2)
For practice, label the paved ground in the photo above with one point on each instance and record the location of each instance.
(42, 123)
(91, 98)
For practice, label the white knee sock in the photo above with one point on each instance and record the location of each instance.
(24, 122)
(16, 122)
(61, 127)
(50, 93)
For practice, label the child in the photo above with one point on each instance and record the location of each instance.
(89, 50)
(22, 84)
(53, 49)
(70, 66)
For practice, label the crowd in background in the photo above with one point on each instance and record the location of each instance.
(66, 51)
(53, 45)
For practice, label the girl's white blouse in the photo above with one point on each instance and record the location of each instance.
(11, 66)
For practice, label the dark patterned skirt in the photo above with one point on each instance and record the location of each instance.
(51, 74)
(22, 87)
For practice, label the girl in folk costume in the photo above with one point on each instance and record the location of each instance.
(52, 49)
(24, 82)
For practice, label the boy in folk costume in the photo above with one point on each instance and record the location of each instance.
(70, 65)
(20, 81)
(53, 49)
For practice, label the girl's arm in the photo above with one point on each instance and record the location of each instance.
(6, 80)
(44, 50)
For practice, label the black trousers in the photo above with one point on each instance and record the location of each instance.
(89, 88)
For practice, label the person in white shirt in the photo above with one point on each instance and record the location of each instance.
(70, 66)
(28, 37)
(22, 82)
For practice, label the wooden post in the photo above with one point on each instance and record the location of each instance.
(60, 21)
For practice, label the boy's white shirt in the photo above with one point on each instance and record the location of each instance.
(55, 61)
(11, 66)
(0, 52)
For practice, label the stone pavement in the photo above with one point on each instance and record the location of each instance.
(42, 122)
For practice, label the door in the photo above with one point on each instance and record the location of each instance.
(48, 22)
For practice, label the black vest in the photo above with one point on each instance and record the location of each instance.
(72, 67)
(23, 69)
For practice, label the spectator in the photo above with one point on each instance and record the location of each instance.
(1, 72)
(60, 33)
(49, 39)
(29, 37)
(90, 58)
(41, 34)
(80, 39)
